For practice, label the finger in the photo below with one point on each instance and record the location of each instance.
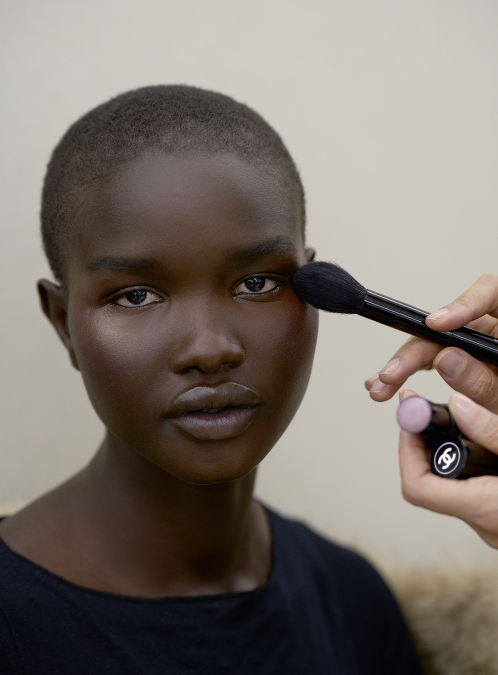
(406, 393)
(423, 488)
(371, 381)
(417, 481)
(475, 422)
(485, 324)
(468, 376)
(474, 501)
(381, 392)
(416, 354)
(482, 507)
(480, 299)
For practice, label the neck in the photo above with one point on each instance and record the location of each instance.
(162, 536)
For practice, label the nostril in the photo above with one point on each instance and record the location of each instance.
(207, 353)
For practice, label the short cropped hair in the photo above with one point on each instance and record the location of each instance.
(169, 118)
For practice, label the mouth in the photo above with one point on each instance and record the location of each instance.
(214, 413)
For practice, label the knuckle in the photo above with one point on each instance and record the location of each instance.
(412, 346)
(421, 352)
(404, 349)
(479, 294)
(490, 432)
(467, 299)
(483, 389)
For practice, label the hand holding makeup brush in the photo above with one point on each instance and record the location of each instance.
(474, 501)
(477, 307)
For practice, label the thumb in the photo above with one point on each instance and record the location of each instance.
(475, 422)
(477, 301)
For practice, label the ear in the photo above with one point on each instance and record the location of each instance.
(310, 254)
(54, 305)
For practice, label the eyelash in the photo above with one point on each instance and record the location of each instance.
(146, 291)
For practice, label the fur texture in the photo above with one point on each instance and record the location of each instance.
(452, 611)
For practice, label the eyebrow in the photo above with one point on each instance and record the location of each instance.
(248, 254)
(256, 251)
(122, 264)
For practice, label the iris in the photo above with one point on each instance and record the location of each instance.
(255, 284)
(136, 297)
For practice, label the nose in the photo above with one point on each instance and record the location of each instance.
(207, 342)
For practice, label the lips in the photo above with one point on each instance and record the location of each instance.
(214, 413)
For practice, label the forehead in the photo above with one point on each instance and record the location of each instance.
(183, 198)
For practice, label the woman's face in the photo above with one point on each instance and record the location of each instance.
(193, 347)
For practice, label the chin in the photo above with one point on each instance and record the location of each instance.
(216, 472)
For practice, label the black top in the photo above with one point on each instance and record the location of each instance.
(324, 610)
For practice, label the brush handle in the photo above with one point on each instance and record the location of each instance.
(411, 320)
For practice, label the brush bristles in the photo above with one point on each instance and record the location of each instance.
(329, 287)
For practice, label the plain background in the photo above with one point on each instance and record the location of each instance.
(390, 109)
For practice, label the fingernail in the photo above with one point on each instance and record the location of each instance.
(372, 378)
(451, 364)
(390, 368)
(401, 395)
(440, 314)
(378, 386)
(461, 402)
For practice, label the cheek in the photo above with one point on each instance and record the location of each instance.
(119, 363)
(124, 362)
(285, 350)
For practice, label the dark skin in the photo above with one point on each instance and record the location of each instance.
(178, 277)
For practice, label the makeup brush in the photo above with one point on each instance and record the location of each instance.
(327, 286)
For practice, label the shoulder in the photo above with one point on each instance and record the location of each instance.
(10, 656)
(300, 545)
(346, 584)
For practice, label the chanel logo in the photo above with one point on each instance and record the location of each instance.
(447, 458)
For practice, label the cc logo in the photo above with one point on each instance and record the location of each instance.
(449, 459)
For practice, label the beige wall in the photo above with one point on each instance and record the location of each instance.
(391, 111)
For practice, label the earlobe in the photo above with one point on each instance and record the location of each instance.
(310, 254)
(54, 306)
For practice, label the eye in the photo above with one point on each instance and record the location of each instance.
(139, 297)
(256, 285)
